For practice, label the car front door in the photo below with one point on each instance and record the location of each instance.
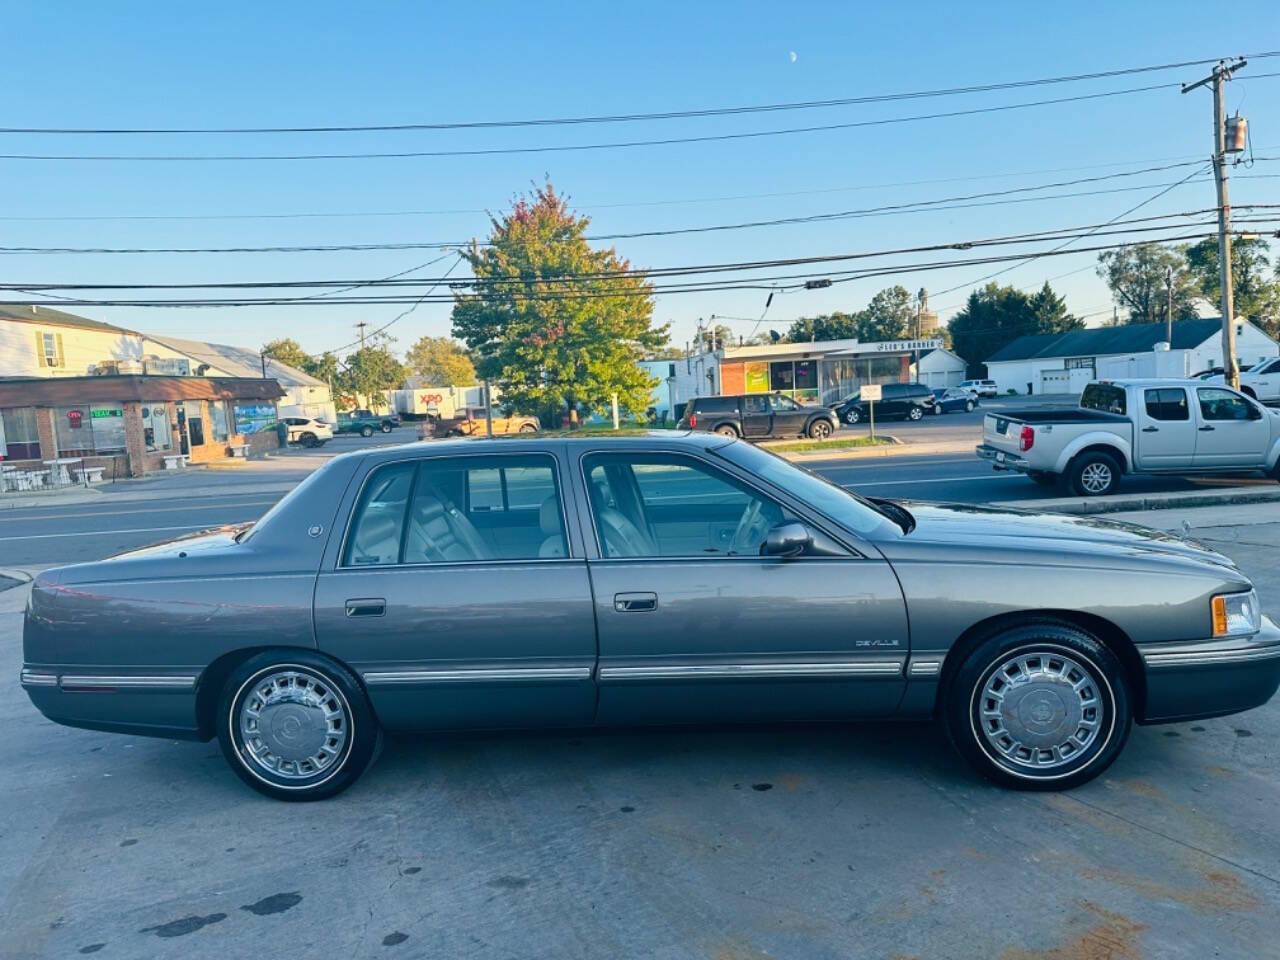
(788, 416)
(1232, 431)
(695, 625)
(757, 418)
(1166, 432)
(459, 592)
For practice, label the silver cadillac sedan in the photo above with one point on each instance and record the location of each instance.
(656, 579)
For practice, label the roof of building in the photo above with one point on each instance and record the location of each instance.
(54, 318)
(69, 391)
(239, 361)
(1104, 341)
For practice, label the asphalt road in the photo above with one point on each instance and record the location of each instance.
(54, 534)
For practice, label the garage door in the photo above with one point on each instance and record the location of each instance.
(1055, 381)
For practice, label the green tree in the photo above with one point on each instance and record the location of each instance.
(554, 322)
(442, 362)
(287, 351)
(828, 326)
(1137, 277)
(1255, 289)
(891, 315)
(371, 370)
(995, 316)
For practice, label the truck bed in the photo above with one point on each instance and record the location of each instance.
(1069, 415)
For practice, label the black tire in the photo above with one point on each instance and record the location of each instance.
(308, 440)
(386, 428)
(528, 428)
(727, 430)
(328, 706)
(853, 415)
(1083, 681)
(915, 413)
(820, 429)
(1044, 479)
(937, 409)
(968, 406)
(1093, 475)
(366, 431)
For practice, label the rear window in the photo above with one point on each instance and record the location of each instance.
(714, 404)
(1106, 397)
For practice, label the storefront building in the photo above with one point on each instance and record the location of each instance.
(128, 425)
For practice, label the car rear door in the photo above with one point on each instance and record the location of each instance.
(1166, 434)
(695, 625)
(1232, 431)
(757, 417)
(459, 593)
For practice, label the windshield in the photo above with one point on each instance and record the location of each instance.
(847, 509)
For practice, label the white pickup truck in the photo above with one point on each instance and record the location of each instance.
(1135, 426)
(1261, 382)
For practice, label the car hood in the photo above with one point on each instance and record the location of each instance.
(989, 528)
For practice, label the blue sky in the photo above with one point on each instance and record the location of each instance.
(322, 63)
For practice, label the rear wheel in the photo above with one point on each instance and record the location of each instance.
(528, 428)
(308, 440)
(366, 431)
(386, 428)
(1040, 706)
(727, 430)
(937, 408)
(1093, 474)
(852, 415)
(820, 429)
(915, 413)
(296, 726)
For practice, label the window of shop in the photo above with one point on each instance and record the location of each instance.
(782, 376)
(254, 417)
(19, 435)
(156, 431)
(842, 377)
(90, 429)
(806, 376)
(218, 420)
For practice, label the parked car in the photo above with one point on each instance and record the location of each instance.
(1262, 382)
(308, 431)
(983, 388)
(386, 421)
(1135, 426)
(909, 401)
(644, 580)
(758, 416)
(954, 400)
(471, 422)
(366, 426)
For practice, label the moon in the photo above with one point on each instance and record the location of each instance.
(792, 55)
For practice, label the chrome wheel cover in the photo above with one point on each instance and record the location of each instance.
(1041, 710)
(293, 724)
(1095, 477)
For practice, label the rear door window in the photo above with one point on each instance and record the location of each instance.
(1167, 404)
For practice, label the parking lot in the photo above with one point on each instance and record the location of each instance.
(867, 840)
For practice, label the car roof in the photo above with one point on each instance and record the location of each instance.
(1155, 382)
(674, 440)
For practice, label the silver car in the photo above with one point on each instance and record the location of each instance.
(650, 579)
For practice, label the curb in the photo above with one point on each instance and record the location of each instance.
(1150, 501)
(19, 577)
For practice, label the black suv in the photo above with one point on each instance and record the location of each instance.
(756, 416)
(909, 400)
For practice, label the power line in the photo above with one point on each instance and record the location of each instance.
(628, 117)
(612, 145)
(400, 316)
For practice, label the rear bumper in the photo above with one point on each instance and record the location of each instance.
(154, 703)
(1211, 678)
(1001, 459)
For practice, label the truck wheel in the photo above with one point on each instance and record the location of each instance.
(727, 430)
(528, 428)
(366, 431)
(820, 429)
(1094, 475)
(852, 415)
(1039, 706)
(386, 428)
(915, 413)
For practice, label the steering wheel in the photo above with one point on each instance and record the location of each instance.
(752, 527)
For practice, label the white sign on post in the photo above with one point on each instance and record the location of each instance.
(868, 392)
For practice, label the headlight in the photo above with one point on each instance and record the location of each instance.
(1236, 614)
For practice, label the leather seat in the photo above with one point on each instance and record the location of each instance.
(619, 537)
(439, 532)
(552, 529)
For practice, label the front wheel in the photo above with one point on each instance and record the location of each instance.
(528, 428)
(1093, 475)
(968, 406)
(1041, 706)
(852, 415)
(820, 429)
(295, 725)
(937, 409)
(915, 413)
(727, 430)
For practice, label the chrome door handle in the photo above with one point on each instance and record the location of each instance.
(635, 602)
(368, 607)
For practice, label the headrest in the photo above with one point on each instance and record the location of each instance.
(549, 516)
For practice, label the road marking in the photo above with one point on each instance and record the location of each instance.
(112, 533)
(120, 513)
(896, 483)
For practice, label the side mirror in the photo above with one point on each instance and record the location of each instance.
(786, 540)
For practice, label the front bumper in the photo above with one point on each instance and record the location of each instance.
(1210, 678)
(1001, 459)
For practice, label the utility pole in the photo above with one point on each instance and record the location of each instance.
(1168, 315)
(262, 354)
(360, 326)
(1221, 73)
